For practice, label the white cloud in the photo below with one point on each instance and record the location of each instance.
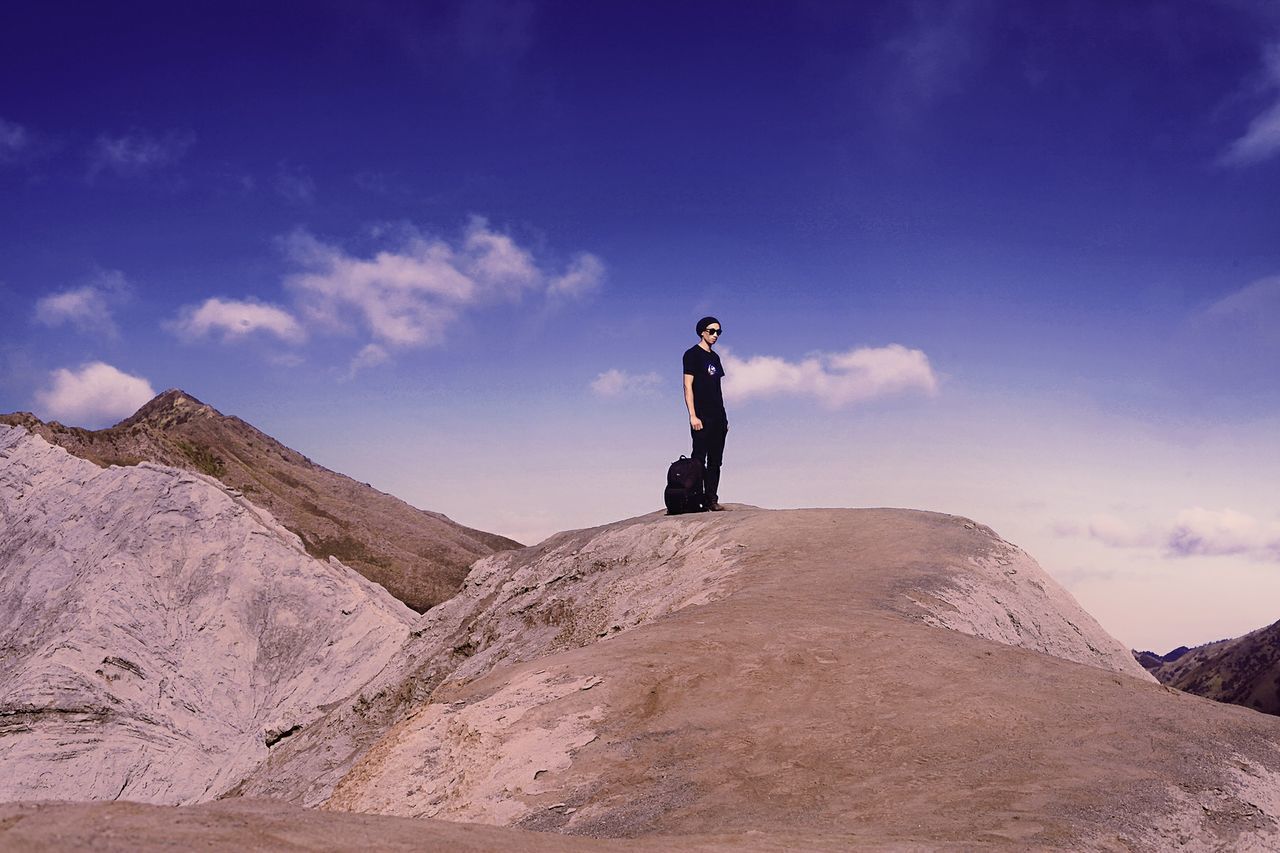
(1207, 532)
(95, 395)
(1261, 140)
(404, 296)
(833, 379)
(618, 383)
(496, 261)
(410, 295)
(235, 320)
(14, 139)
(583, 277)
(1195, 532)
(87, 308)
(137, 153)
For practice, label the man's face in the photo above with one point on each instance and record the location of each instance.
(711, 334)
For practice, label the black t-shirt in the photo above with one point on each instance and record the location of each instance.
(706, 370)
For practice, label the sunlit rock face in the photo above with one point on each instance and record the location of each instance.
(159, 633)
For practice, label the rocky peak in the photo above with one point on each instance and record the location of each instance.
(172, 407)
(26, 420)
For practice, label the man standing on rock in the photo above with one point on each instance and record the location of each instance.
(707, 419)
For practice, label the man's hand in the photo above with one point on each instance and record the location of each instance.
(696, 423)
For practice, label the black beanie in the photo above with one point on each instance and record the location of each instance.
(704, 322)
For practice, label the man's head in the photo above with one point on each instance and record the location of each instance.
(709, 330)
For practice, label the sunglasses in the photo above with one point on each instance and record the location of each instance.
(713, 331)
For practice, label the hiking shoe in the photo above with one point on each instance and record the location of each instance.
(715, 507)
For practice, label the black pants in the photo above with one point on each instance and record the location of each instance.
(708, 445)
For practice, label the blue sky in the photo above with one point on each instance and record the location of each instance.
(1016, 263)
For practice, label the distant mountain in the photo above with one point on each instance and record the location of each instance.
(1244, 671)
(1151, 660)
(420, 557)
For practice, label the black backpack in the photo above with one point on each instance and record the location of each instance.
(684, 487)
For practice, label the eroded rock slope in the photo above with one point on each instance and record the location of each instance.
(159, 633)
(820, 676)
(572, 590)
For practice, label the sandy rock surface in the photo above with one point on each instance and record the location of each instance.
(572, 590)
(267, 826)
(810, 691)
(158, 631)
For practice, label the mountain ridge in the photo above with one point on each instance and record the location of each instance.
(1243, 670)
(420, 556)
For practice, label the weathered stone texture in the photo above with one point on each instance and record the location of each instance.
(157, 630)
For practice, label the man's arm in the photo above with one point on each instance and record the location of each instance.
(688, 402)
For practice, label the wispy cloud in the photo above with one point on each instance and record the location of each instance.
(1119, 533)
(409, 295)
(485, 40)
(495, 30)
(834, 380)
(584, 276)
(295, 184)
(618, 383)
(95, 395)
(137, 153)
(233, 320)
(1261, 140)
(1259, 297)
(14, 141)
(87, 308)
(371, 355)
(1251, 313)
(402, 297)
(1192, 532)
(931, 54)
